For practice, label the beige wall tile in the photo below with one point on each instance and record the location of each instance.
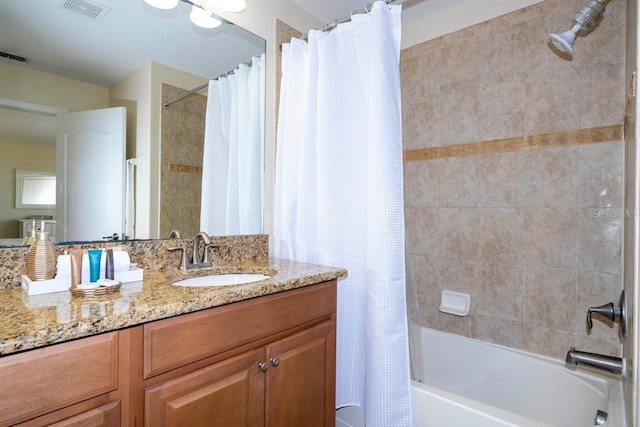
(605, 92)
(498, 180)
(429, 316)
(499, 291)
(460, 120)
(420, 80)
(601, 174)
(459, 233)
(599, 346)
(422, 183)
(423, 231)
(549, 298)
(459, 276)
(500, 119)
(499, 235)
(600, 240)
(550, 342)
(464, 326)
(427, 274)
(498, 331)
(459, 182)
(550, 237)
(422, 124)
(549, 177)
(502, 53)
(547, 107)
(459, 62)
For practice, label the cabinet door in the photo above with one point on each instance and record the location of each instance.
(105, 416)
(229, 394)
(301, 379)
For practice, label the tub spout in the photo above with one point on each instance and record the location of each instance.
(615, 365)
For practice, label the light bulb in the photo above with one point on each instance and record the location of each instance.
(203, 18)
(162, 4)
(229, 5)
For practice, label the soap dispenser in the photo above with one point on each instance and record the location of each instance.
(31, 235)
(41, 260)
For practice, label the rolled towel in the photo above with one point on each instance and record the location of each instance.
(63, 266)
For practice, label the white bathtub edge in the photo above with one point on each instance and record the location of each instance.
(505, 418)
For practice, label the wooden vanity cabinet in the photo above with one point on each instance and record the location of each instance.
(268, 361)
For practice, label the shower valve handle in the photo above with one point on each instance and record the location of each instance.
(608, 310)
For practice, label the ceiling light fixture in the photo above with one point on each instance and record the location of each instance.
(162, 4)
(229, 5)
(203, 18)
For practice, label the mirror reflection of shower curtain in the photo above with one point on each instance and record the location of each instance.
(232, 168)
(129, 199)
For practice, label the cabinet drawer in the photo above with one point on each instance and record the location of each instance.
(105, 416)
(53, 377)
(172, 343)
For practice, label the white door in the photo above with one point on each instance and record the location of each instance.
(90, 158)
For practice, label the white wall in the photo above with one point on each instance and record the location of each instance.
(137, 87)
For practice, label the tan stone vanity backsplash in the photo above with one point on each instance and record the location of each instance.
(150, 255)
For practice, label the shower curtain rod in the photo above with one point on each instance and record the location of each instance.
(332, 25)
(199, 88)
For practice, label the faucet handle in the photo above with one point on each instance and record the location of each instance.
(183, 256)
(207, 256)
(611, 312)
(608, 310)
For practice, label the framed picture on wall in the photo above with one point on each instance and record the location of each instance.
(35, 189)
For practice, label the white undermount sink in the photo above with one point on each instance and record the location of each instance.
(222, 279)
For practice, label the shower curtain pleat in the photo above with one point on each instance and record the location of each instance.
(232, 178)
(339, 198)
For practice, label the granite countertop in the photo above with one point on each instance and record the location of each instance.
(28, 322)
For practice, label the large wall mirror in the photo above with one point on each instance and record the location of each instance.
(60, 58)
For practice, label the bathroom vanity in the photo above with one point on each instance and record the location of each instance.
(160, 355)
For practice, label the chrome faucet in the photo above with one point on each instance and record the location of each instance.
(615, 365)
(196, 248)
(196, 261)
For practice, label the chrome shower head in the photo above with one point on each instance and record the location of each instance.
(585, 18)
(564, 41)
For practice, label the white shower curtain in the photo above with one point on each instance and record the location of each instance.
(233, 159)
(339, 198)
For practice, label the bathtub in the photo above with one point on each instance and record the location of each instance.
(472, 383)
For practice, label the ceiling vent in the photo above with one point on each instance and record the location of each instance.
(87, 8)
(13, 57)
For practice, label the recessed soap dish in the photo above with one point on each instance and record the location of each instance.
(455, 303)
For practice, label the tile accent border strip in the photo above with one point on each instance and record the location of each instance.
(185, 168)
(557, 139)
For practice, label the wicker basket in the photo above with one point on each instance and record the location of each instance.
(95, 291)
